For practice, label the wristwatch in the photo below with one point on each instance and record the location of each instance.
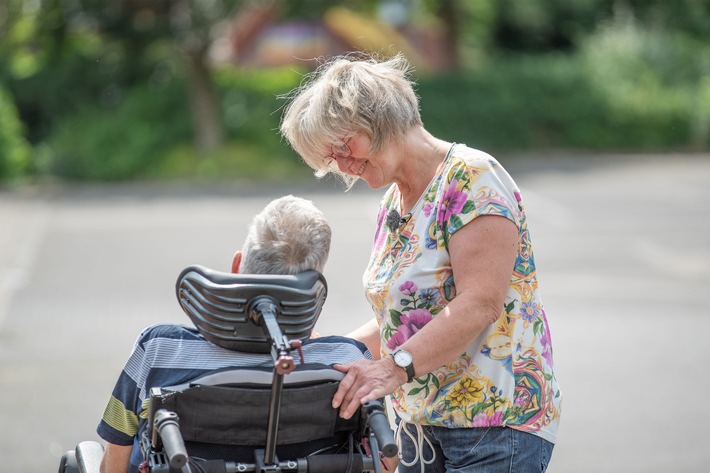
(403, 359)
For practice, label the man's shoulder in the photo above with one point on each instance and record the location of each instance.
(169, 331)
(336, 341)
(333, 339)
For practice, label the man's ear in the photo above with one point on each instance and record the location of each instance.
(236, 262)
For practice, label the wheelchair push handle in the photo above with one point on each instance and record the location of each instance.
(380, 427)
(167, 427)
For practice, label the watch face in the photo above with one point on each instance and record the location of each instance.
(402, 358)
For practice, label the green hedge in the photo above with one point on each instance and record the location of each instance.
(118, 143)
(553, 102)
(622, 100)
(149, 133)
(626, 86)
(15, 152)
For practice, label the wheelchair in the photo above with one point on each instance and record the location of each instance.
(234, 420)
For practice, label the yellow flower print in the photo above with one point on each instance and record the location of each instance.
(498, 346)
(467, 391)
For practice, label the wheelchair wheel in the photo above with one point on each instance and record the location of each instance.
(68, 463)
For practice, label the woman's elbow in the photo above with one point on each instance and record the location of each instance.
(491, 314)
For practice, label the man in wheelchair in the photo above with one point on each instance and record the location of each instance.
(248, 389)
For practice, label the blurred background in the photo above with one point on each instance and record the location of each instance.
(140, 136)
(105, 91)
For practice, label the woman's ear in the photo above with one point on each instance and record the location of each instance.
(236, 262)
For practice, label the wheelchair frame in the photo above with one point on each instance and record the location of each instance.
(246, 312)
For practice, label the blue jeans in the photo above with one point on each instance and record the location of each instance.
(474, 450)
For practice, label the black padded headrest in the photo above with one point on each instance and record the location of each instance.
(218, 304)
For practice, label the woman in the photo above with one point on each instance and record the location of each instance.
(459, 325)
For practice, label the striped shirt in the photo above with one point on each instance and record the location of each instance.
(167, 354)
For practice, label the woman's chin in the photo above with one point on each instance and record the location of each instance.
(374, 185)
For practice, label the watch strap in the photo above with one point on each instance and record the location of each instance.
(410, 372)
(408, 368)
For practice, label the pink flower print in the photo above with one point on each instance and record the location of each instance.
(428, 207)
(452, 203)
(381, 234)
(496, 419)
(416, 319)
(523, 397)
(398, 337)
(408, 288)
(547, 355)
(546, 342)
(412, 322)
(482, 420)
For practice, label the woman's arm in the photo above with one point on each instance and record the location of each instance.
(369, 334)
(483, 254)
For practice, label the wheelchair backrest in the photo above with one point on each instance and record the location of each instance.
(231, 406)
(222, 305)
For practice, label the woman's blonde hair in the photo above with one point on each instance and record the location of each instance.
(347, 95)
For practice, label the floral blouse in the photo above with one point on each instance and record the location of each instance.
(505, 377)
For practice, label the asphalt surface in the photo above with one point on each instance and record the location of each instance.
(621, 243)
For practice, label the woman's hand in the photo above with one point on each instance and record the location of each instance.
(366, 380)
(390, 464)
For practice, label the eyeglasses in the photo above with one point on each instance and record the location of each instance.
(339, 150)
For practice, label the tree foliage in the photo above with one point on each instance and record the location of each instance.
(15, 152)
(105, 88)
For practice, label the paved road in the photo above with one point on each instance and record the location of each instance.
(621, 242)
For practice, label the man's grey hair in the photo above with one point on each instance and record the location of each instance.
(288, 237)
(347, 95)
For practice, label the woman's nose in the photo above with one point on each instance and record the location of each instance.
(344, 164)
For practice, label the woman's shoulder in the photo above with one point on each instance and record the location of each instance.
(463, 157)
(471, 168)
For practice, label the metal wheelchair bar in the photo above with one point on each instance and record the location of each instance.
(312, 464)
(263, 312)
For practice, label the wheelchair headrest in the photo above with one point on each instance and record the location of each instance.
(219, 303)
